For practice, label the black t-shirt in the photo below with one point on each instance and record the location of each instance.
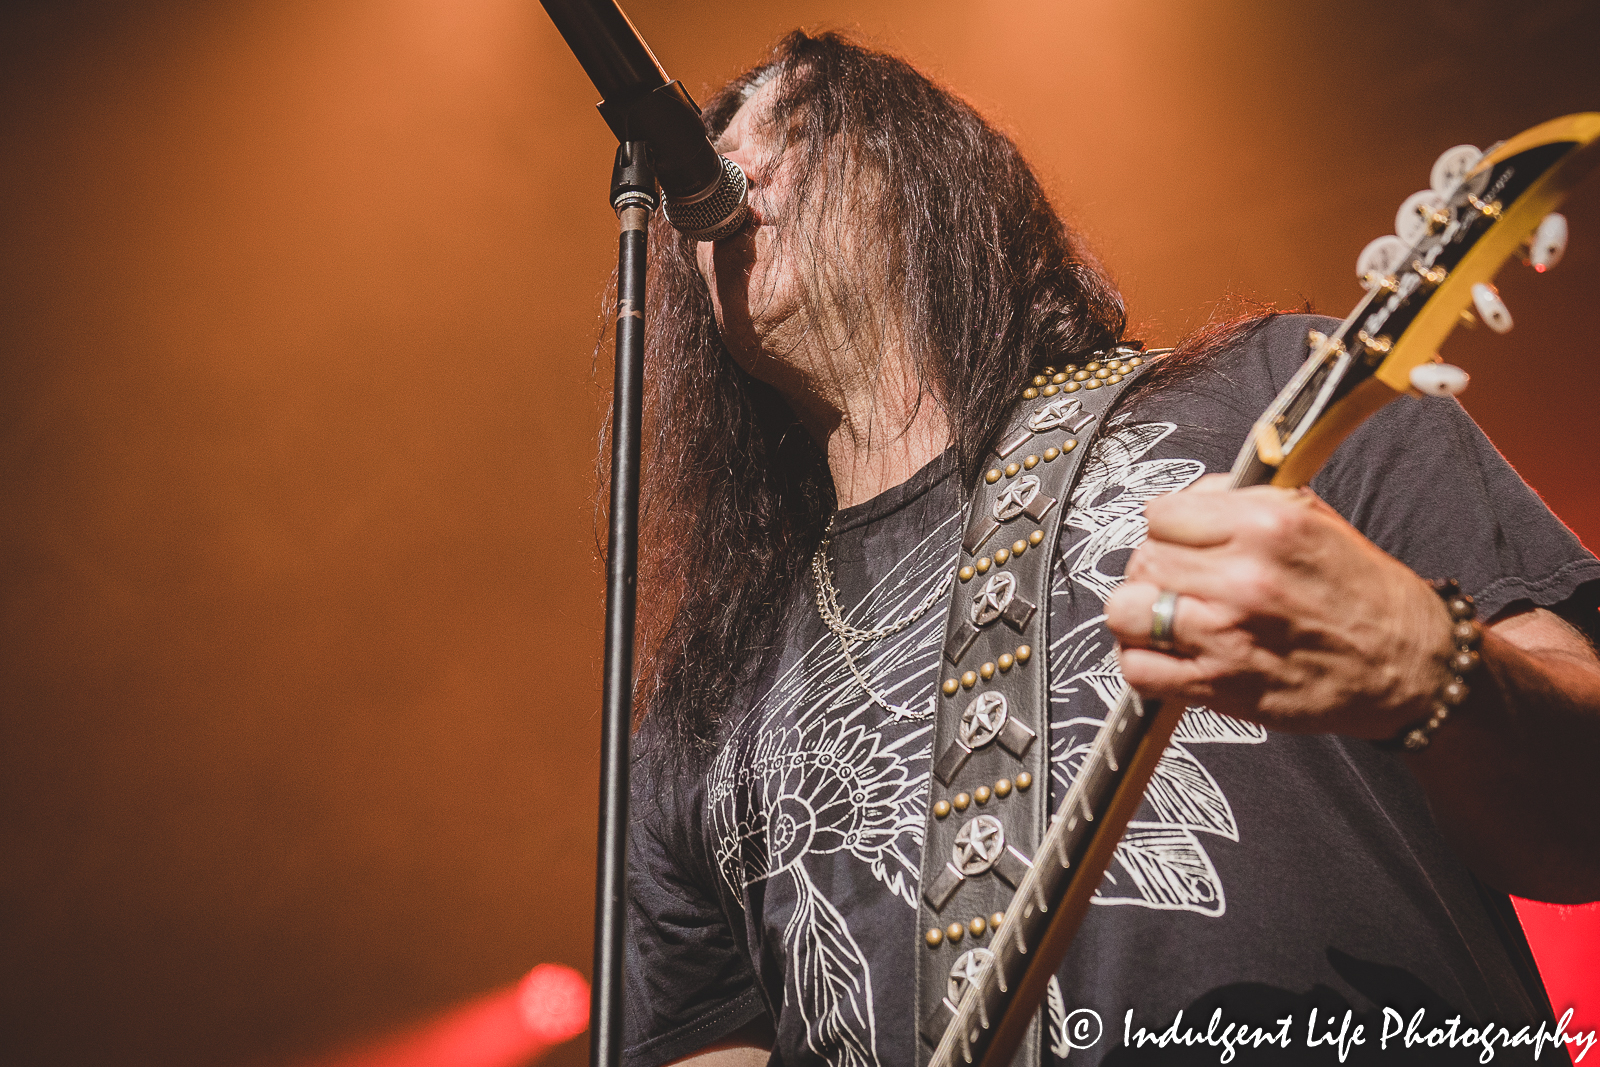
(1265, 876)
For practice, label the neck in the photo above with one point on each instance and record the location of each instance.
(878, 427)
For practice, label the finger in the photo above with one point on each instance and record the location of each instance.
(1220, 577)
(1130, 613)
(1129, 610)
(1212, 483)
(1212, 518)
(1158, 676)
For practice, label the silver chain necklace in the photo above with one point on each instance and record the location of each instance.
(828, 608)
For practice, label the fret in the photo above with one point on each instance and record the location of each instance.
(1365, 362)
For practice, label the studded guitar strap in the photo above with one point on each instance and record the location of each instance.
(991, 782)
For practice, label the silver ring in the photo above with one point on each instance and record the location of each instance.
(1162, 614)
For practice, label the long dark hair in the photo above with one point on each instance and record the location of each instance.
(988, 284)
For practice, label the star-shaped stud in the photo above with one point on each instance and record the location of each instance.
(983, 718)
(1016, 497)
(978, 844)
(992, 600)
(965, 971)
(1063, 411)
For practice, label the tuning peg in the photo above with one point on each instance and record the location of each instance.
(1439, 379)
(1381, 258)
(1451, 167)
(1491, 309)
(1548, 243)
(1422, 213)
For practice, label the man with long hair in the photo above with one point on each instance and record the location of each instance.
(823, 387)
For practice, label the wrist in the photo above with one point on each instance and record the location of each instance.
(1452, 671)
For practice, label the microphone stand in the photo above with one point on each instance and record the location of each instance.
(660, 133)
(633, 197)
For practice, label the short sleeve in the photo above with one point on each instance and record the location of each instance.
(1424, 484)
(688, 979)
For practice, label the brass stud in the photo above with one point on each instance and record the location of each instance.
(1049, 390)
(1023, 652)
(950, 686)
(1093, 383)
(996, 919)
(1024, 780)
(1006, 661)
(1114, 379)
(1091, 366)
(986, 671)
(969, 679)
(979, 926)
(1002, 788)
(1039, 379)
(1030, 393)
(1058, 378)
(1070, 368)
(1001, 555)
(1114, 364)
(1035, 537)
(983, 564)
(941, 808)
(1136, 361)
(966, 573)
(1051, 453)
(1049, 371)
(954, 931)
(1071, 387)
(960, 801)
(934, 937)
(1018, 547)
(1081, 376)
(1103, 373)
(1030, 462)
(1068, 446)
(982, 794)
(991, 475)
(1011, 470)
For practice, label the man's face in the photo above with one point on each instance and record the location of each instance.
(754, 290)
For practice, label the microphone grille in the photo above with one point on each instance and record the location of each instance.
(715, 212)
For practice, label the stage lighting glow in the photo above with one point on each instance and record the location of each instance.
(554, 1002)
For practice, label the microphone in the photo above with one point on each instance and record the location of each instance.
(707, 197)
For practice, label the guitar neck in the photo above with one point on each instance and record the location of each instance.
(1368, 360)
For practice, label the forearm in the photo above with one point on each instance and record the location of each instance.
(1512, 776)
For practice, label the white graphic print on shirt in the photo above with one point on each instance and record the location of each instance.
(814, 771)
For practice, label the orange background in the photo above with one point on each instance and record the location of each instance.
(298, 305)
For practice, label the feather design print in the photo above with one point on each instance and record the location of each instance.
(817, 770)
(1161, 861)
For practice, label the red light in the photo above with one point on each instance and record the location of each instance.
(554, 1002)
(510, 1027)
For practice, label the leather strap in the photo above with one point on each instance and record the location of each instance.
(989, 798)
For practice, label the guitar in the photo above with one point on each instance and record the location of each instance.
(1480, 210)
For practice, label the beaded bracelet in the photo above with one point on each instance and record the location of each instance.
(1466, 633)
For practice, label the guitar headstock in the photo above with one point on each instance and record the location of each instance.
(1436, 270)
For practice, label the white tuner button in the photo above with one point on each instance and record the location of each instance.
(1381, 258)
(1548, 243)
(1439, 379)
(1491, 309)
(1451, 167)
(1413, 221)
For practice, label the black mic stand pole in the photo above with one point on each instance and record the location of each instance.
(633, 197)
(659, 129)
